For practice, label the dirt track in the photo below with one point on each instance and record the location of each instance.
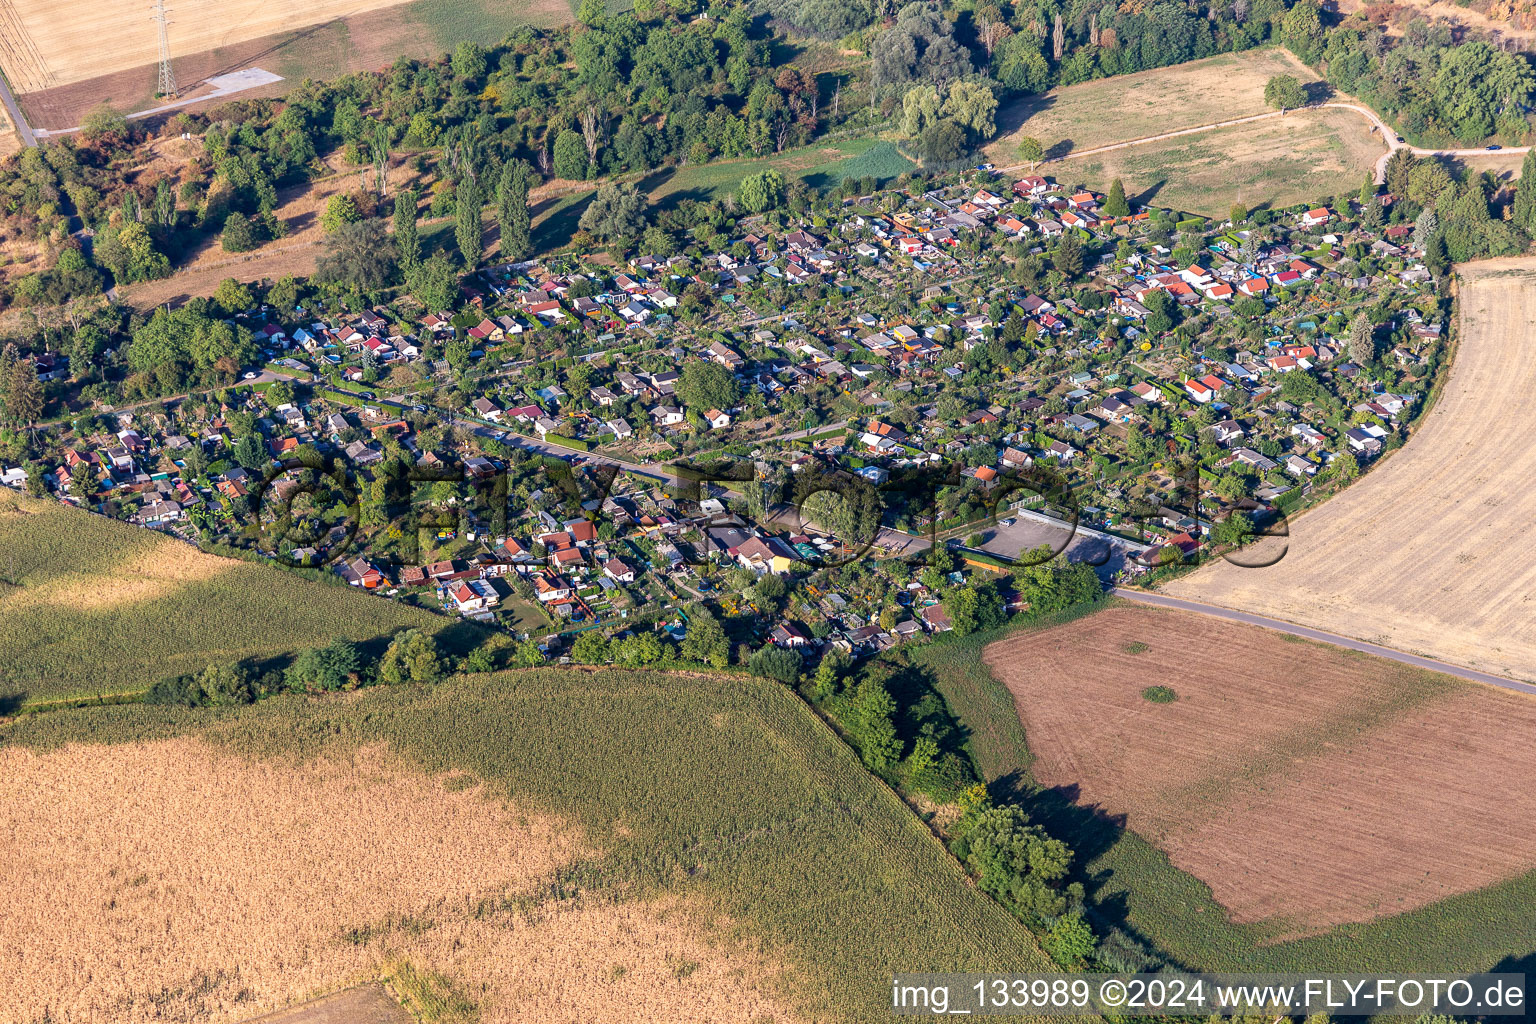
(366, 1005)
(1429, 553)
(1307, 786)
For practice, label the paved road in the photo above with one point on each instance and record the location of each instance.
(1307, 632)
(223, 85)
(1388, 135)
(13, 109)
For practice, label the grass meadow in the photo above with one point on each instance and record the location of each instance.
(1132, 884)
(1124, 107)
(724, 793)
(1302, 157)
(92, 606)
(823, 165)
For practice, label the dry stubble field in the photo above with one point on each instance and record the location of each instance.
(173, 881)
(1429, 552)
(1279, 161)
(61, 64)
(49, 44)
(1126, 107)
(1307, 786)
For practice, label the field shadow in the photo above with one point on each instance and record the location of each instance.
(697, 195)
(460, 638)
(1059, 149)
(1091, 832)
(914, 690)
(1317, 92)
(1146, 195)
(1516, 965)
(557, 229)
(1013, 117)
(10, 703)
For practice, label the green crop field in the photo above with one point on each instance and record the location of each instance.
(93, 606)
(1133, 885)
(725, 791)
(821, 165)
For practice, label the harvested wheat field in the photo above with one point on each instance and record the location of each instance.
(1429, 552)
(58, 61)
(1307, 786)
(155, 572)
(170, 881)
(49, 44)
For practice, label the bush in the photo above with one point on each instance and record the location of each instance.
(1160, 694)
(591, 648)
(568, 442)
(238, 234)
(776, 663)
(215, 685)
(331, 667)
(1070, 941)
(412, 658)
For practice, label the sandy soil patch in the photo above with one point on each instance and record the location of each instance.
(1512, 20)
(173, 881)
(1306, 785)
(1426, 553)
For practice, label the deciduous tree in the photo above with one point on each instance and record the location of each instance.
(1031, 151)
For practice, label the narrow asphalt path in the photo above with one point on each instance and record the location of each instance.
(1307, 632)
(13, 110)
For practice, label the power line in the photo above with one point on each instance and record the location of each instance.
(167, 86)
